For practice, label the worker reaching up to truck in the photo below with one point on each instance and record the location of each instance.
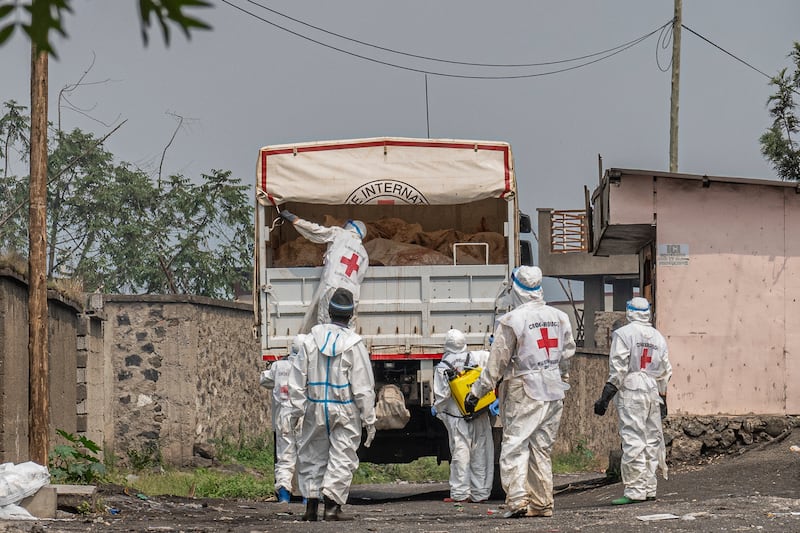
(470, 439)
(344, 265)
(531, 344)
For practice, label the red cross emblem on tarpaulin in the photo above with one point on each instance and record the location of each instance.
(645, 359)
(352, 264)
(546, 342)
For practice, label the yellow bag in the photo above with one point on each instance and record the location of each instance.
(460, 387)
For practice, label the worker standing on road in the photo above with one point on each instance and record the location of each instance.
(332, 387)
(344, 265)
(471, 446)
(276, 377)
(531, 345)
(639, 370)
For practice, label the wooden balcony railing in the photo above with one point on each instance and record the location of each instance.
(569, 231)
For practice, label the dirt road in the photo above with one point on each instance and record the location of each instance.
(758, 490)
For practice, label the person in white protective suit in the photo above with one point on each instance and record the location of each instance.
(332, 388)
(639, 371)
(531, 345)
(344, 265)
(471, 446)
(276, 377)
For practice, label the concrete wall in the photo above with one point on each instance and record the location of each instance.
(14, 380)
(181, 371)
(579, 425)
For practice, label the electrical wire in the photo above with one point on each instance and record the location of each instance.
(449, 61)
(664, 42)
(445, 74)
(684, 26)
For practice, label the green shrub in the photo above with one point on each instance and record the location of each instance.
(76, 463)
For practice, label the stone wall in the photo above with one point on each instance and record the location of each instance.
(184, 372)
(690, 437)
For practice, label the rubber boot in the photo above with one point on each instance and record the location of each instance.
(333, 511)
(312, 507)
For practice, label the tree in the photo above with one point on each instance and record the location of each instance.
(118, 229)
(47, 16)
(779, 144)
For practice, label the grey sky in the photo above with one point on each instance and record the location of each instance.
(247, 84)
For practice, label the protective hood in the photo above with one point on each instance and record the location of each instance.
(333, 340)
(526, 284)
(638, 310)
(297, 342)
(455, 342)
(357, 226)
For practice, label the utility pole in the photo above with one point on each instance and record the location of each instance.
(38, 363)
(676, 78)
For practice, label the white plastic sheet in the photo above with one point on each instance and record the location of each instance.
(17, 482)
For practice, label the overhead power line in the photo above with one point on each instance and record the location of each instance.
(598, 56)
(740, 60)
(450, 61)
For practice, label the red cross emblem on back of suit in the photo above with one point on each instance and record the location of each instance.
(351, 262)
(643, 362)
(546, 342)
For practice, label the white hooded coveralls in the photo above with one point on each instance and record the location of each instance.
(332, 386)
(530, 345)
(277, 379)
(344, 266)
(471, 445)
(639, 367)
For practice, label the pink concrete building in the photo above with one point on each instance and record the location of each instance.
(719, 258)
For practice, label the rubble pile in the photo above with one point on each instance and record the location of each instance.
(688, 438)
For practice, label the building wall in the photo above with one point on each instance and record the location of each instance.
(727, 312)
(14, 365)
(183, 371)
(13, 369)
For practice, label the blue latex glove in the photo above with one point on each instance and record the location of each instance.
(434, 412)
(288, 216)
(494, 407)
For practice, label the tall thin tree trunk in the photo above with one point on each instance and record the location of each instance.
(39, 390)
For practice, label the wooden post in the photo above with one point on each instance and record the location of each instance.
(676, 79)
(39, 386)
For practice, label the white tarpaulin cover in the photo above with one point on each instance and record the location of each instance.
(17, 482)
(385, 170)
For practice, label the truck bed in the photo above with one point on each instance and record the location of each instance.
(404, 311)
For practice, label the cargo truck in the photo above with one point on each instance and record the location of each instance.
(443, 236)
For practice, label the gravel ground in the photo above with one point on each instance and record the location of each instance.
(758, 490)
